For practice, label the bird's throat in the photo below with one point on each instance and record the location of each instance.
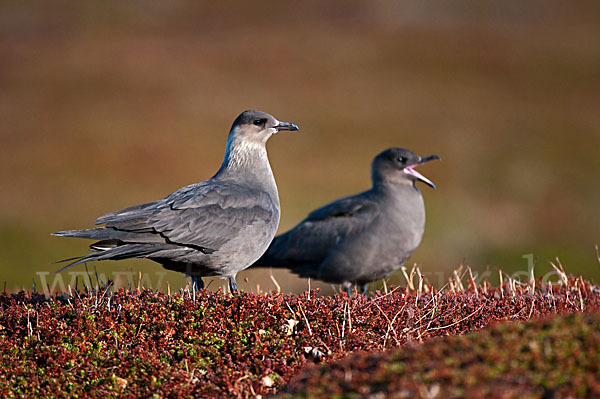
(249, 159)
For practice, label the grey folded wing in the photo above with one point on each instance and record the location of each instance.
(203, 216)
(309, 243)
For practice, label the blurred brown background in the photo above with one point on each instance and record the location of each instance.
(109, 104)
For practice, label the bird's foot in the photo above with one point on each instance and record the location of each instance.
(233, 288)
(363, 290)
(349, 290)
(197, 283)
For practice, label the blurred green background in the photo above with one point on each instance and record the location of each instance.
(109, 104)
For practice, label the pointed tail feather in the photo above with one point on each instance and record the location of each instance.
(89, 233)
(118, 253)
(110, 233)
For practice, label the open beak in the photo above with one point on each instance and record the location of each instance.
(411, 171)
(286, 126)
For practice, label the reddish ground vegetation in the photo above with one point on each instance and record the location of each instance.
(554, 357)
(140, 344)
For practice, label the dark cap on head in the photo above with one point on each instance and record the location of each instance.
(261, 121)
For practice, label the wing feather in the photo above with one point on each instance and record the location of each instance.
(311, 240)
(203, 215)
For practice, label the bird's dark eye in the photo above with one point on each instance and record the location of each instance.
(401, 159)
(259, 122)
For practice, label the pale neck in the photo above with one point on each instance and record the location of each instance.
(246, 160)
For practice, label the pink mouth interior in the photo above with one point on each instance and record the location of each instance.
(409, 170)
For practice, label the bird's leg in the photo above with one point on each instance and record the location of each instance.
(233, 285)
(349, 290)
(363, 288)
(197, 283)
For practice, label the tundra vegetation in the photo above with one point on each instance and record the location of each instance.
(532, 337)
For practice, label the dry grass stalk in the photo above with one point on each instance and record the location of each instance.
(458, 321)
(473, 282)
(344, 321)
(275, 281)
(306, 320)
(578, 287)
(349, 319)
(561, 272)
(390, 326)
(531, 279)
(459, 284)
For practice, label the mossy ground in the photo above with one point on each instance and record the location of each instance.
(149, 344)
(555, 357)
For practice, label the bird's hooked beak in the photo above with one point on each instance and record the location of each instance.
(411, 171)
(286, 126)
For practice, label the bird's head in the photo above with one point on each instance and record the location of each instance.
(397, 166)
(257, 126)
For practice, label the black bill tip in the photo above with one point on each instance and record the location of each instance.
(287, 126)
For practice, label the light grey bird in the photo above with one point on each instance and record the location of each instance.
(361, 238)
(214, 228)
